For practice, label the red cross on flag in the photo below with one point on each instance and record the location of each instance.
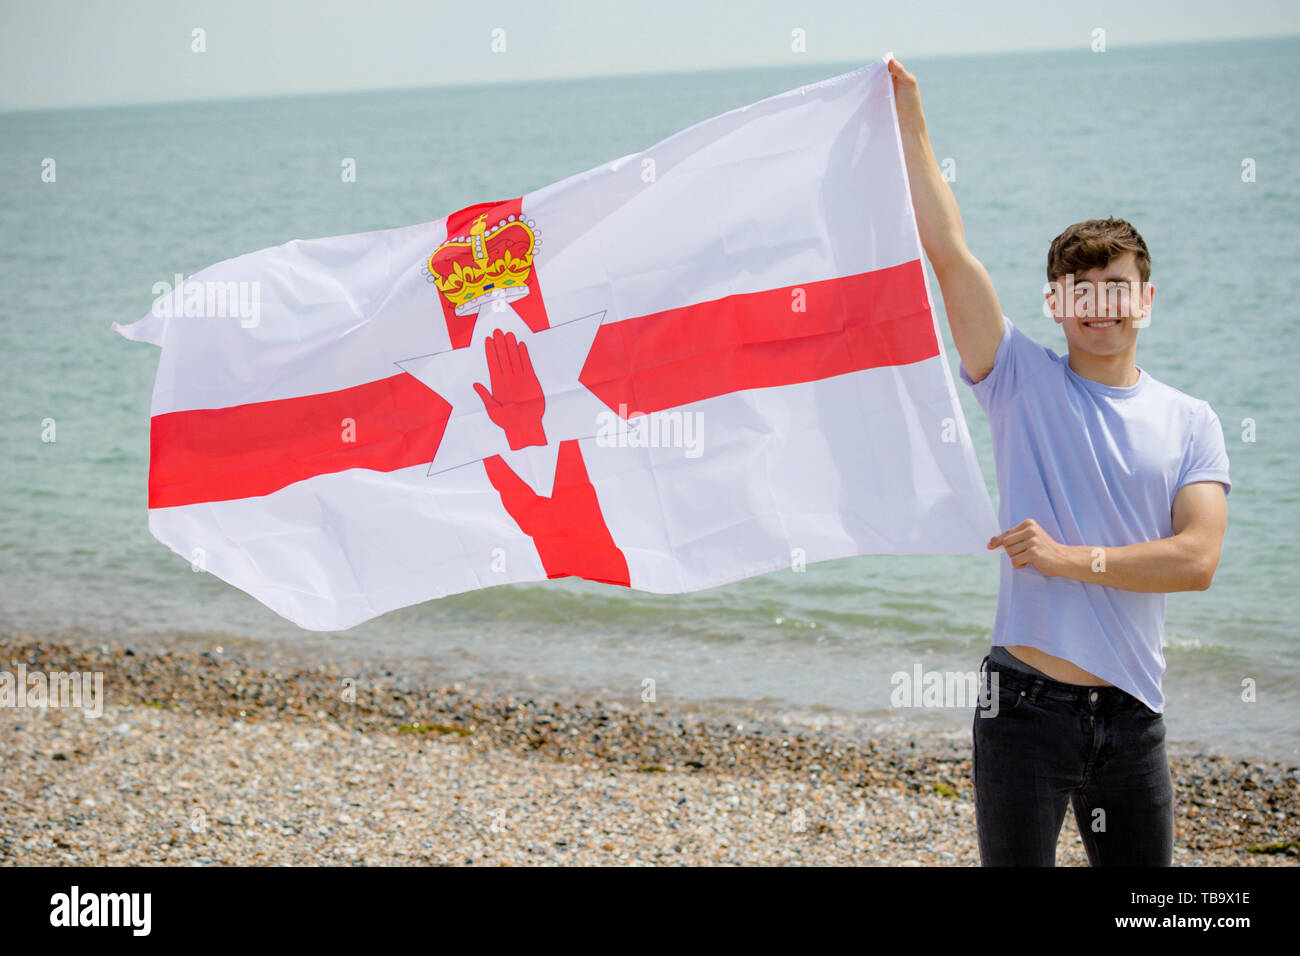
(709, 360)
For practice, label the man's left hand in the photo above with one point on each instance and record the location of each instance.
(1028, 544)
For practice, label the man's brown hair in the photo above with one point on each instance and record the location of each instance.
(1092, 244)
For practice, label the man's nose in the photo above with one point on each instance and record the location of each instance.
(1095, 306)
(1105, 307)
(1085, 304)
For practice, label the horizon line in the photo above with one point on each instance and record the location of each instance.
(517, 81)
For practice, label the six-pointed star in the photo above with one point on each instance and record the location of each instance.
(557, 354)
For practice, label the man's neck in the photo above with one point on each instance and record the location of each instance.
(1118, 370)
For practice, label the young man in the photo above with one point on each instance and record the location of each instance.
(1113, 492)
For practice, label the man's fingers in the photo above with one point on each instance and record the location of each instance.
(1019, 553)
(1014, 533)
(1012, 537)
(1018, 533)
(899, 72)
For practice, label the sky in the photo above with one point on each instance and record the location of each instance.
(62, 53)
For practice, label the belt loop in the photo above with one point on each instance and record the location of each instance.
(1035, 688)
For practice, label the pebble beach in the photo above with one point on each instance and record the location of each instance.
(207, 755)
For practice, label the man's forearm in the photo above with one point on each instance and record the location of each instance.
(1184, 561)
(937, 217)
(1177, 563)
(969, 300)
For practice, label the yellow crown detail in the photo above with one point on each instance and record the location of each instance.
(484, 260)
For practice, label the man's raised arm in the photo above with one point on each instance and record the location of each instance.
(974, 315)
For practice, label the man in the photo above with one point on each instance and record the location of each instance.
(1113, 492)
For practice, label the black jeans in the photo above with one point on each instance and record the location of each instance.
(1048, 744)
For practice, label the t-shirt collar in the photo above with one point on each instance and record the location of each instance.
(1100, 388)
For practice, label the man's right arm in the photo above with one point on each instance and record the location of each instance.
(974, 315)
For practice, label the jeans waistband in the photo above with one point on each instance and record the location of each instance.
(1037, 688)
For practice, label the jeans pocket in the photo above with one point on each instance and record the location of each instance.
(1008, 701)
(1145, 712)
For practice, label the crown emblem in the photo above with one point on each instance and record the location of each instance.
(488, 262)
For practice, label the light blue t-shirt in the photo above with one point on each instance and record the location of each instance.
(1094, 465)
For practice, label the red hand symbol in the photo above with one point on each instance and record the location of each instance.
(516, 401)
(568, 528)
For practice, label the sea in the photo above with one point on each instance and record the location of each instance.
(1197, 145)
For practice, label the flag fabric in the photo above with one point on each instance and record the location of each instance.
(712, 359)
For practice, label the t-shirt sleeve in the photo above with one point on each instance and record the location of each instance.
(1207, 453)
(1017, 359)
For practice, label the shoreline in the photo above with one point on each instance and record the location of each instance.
(240, 757)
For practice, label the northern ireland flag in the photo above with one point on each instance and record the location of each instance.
(708, 360)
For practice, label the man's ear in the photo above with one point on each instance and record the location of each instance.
(1051, 307)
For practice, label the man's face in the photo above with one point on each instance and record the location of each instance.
(1102, 309)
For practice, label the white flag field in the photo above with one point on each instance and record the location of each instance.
(712, 359)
